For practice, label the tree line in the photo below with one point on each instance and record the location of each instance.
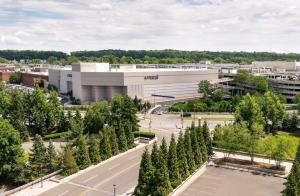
(165, 167)
(146, 56)
(293, 180)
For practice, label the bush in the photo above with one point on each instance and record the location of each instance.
(144, 134)
(56, 135)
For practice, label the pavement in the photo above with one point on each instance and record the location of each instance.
(227, 182)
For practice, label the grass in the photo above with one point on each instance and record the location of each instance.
(210, 118)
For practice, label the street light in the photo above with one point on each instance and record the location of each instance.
(114, 190)
(199, 121)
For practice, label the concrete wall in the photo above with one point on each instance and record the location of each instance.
(54, 77)
(65, 80)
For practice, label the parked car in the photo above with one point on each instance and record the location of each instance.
(185, 114)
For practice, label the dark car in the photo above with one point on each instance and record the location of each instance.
(185, 114)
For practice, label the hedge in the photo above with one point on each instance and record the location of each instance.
(144, 134)
(56, 135)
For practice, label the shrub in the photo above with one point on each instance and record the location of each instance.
(144, 134)
(56, 135)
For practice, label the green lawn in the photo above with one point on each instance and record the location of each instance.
(210, 118)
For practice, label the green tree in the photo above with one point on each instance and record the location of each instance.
(122, 140)
(145, 175)
(182, 160)
(202, 144)
(56, 110)
(94, 151)
(189, 151)
(82, 155)
(37, 156)
(154, 155)
(164, 149)
(173, 165)
(15, 78)
(11, 152)
(113, 141)
(207, 138)
(51, 157)
(76, 129)
(195, 146)
(281, 151)
(69, 165)
(161, 184)
(105, 146)
(204, 87)
(96, 116)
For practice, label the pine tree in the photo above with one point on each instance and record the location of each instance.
(195, 146)
(69, 164)
(51, 157)
(202, 144)
(129, 135)
(207, 138)
(94, 150)
(164, 149)
(181, 155)
(154, 155)
(145, 175)
(173, 166)
(122, 139)
(82, 156)
(189, 151)
(105, 147)
(113, 141)
(77, 117)
(161, 185)
(37, 156)
(76, 129)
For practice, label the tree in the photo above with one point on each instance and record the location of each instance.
(11, 152)
(82, 155)
(145, 175)
(15, 78)
(189, 151)
(195, 146)
(69, 164)
(249, 111)
(122, 140)
(113, 141)
(164, 149)
(281, 151)
(207, 138)
(96, 116)
(51, 157)
(204, 87)
(161, 184)
(55, 109)
(154, 155)
(37, 156)
(94, 151)
(182, 160)
(173, 166)
(202, 144)
(105, 146)
(76, 129)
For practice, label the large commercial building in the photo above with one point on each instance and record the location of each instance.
(101, 81)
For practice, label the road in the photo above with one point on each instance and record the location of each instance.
(122, 171)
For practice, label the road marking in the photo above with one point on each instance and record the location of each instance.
(90, 178)
(131, 158)
(63, 193)
(114, 166)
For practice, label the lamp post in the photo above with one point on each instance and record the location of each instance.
(114, 190)
(199, 121)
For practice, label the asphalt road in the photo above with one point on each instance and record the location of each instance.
(227, 182)
(123, 172)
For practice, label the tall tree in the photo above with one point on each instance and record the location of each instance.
(94, 150)
(173, 166)
(161, 184)
(207, 138)
(182, 161)
(105, 146)
(113, 141)
(51, 157)
(55, 109)
(37, 156)
(154, 155)
(11, 152)
(122, 139)
(145, 175)
(164, 149)
(76, 129)
(189, 151)
(69, 164)
(82, 155)
(202, 144)
(195, 146)
(204, 87)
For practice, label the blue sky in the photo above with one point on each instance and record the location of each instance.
(216, 25)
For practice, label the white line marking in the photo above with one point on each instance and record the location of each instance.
(63, 193)
(90, 178)
(114, 166)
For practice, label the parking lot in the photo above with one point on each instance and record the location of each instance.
(227, 182)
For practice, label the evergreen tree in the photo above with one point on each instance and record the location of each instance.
(195, 146)
(182, 161)
(154, 155)
(161, 185)
(51, 157)
(113, 141)
(145, 175)
(173, 165)
(189, 151)
(69, 164)
(202, 144)
(122, 140)
(82, 155)
(76, 129)
(164, 149)
(37, 157)
(129, 135)
(55, 109)
(94, 151)
(207, 138)
(105, 147)
(77, 117)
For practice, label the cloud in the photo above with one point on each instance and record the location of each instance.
(157, 24)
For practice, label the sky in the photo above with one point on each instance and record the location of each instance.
(214, 25)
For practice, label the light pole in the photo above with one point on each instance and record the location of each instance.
(114, 190)
(199, 121)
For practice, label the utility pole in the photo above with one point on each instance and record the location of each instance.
(114, 190)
